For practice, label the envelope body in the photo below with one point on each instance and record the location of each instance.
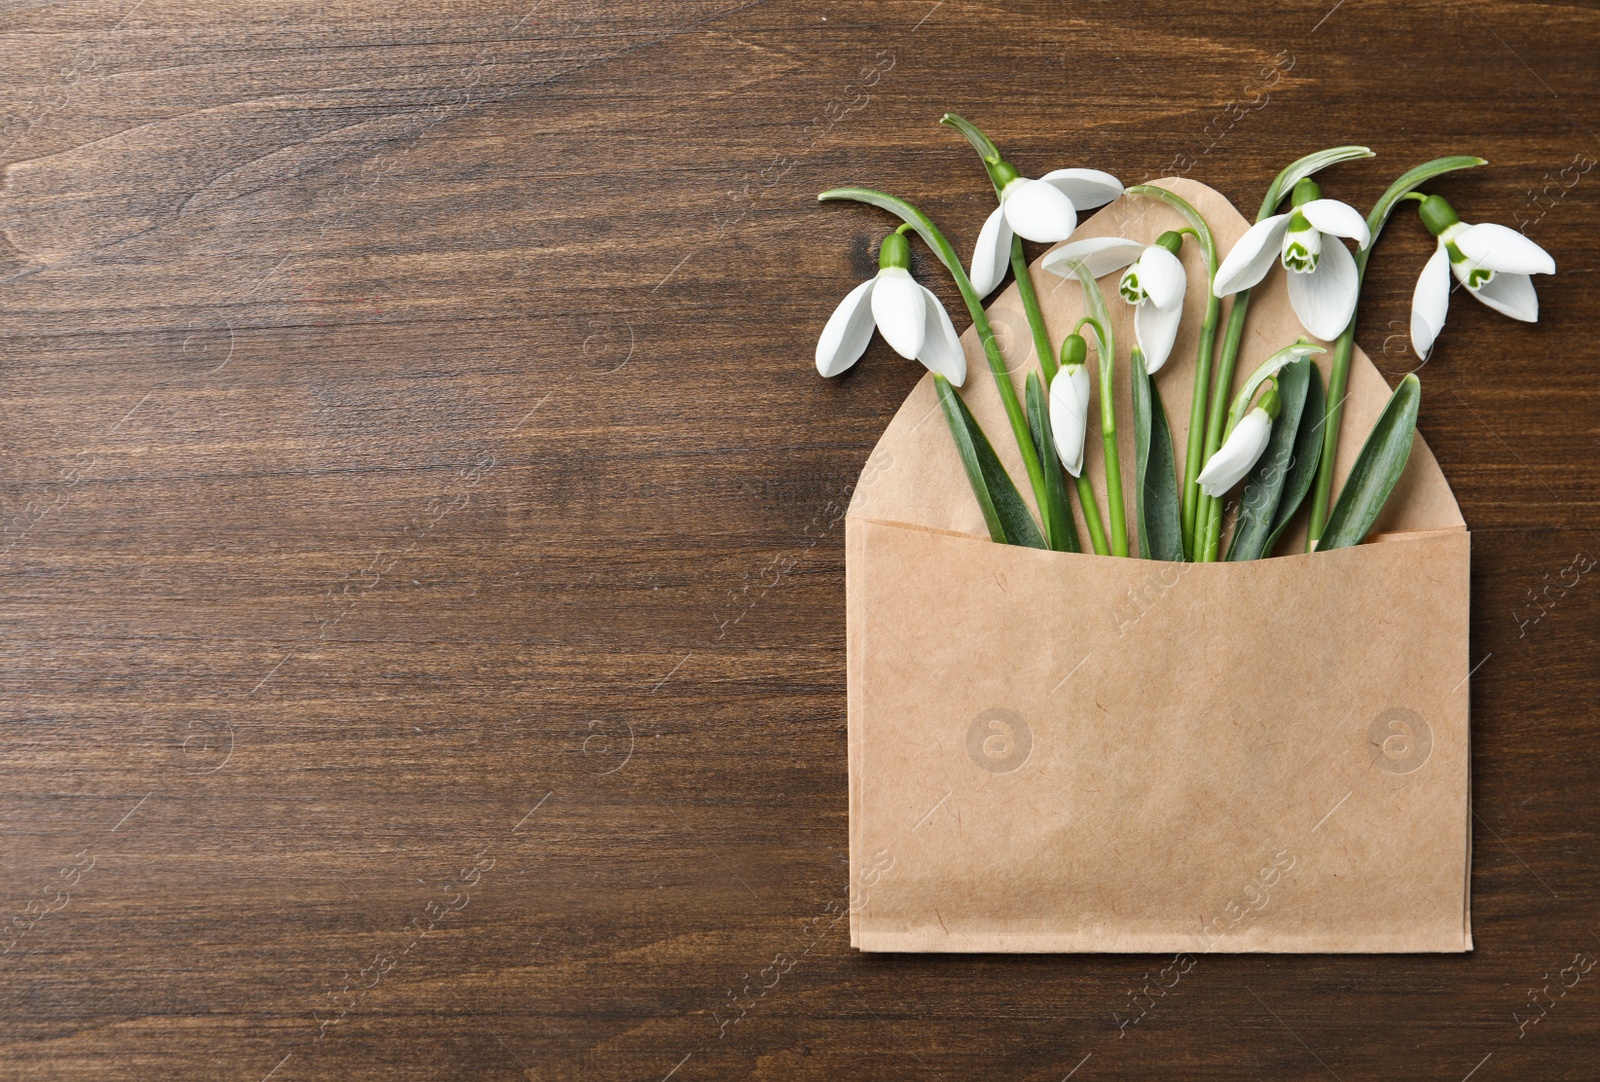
(1067, 752)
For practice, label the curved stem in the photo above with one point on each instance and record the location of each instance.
(1099, 320)
(1339, 376)
(1047, 364)
(980, 142)
(990, 156)
(1202, 358)
(1209, 518)
(980, 319)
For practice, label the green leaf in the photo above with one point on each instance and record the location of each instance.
(1156, 472)
(1263, 489)
(1004, 512)
(1297, 171)
(1059, 528)
(1307, 454)
(1378, 467)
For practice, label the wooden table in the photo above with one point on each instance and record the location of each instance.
(423, 575)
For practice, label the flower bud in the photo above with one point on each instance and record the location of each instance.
(895, 251)
(1074, 350)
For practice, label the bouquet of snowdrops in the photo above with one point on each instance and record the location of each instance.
(1276, 435)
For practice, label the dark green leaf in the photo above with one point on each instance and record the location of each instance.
(1006, 515)
(1060, 530)
(1263, 489)
(1378, 467)
(1307, 453)
(1156, 472)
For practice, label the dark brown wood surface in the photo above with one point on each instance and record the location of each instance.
(422, 591)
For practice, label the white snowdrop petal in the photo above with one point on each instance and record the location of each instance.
(992, 255)
(1039, 212)
(1430, 302)
(897, 308)
(844, 339)
(1511, 295)
(1237, 454)
(1248, 261)
(1500, 249)
(1102, 255)
(1162, 277)
(1069, 416)
(1157, 329)
(941, 345)
(1085, 187)
(1339, 219)
(1325, 298)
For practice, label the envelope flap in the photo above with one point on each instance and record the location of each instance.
(914, 476)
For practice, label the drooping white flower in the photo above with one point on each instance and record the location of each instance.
(1069, 404)
(1323, 282)
(1154, 282)
(1043, 210)
(1493, 263)
(908, 314)
(1243, 447)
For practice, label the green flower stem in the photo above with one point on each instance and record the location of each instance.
(980, 319)
(1339, 376)
(975, 135)
(1091, 516)
(990, 155)
(1202, 358)
(1209, 519)
(1106, 350)
(1338, 380)
(1030, 305)
(1047, 362)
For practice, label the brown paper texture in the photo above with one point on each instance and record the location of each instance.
(1062, 752)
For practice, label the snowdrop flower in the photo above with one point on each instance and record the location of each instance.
(1069, 403)
(908, 314)
(1154, 282)
(1243, 446)
(1323, 282)
(1493, 262)
(1043, 210)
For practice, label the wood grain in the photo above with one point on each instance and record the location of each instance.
(423, 574)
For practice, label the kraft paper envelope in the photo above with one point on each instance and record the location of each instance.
(1061, 752)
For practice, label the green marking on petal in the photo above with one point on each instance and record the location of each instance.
(1129, 286)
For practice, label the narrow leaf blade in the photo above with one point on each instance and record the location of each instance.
(1059, 528)
(1307, 454)
(1378, 468)
(1156, 471)
(1004, 511)
(1263, 490)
